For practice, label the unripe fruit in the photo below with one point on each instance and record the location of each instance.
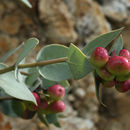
(104, 74)
(123, 78)
(123, 86)
(99, 57)
(56, 91)
(57, 106)
(125, 53)
(109, 84)
(118, 65)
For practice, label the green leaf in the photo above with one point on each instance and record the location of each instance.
(97, 85)
(48, 83)
(32, 78)
(43, 119)
(9, 53)
(52, 118)
(78, 62)
(54, 72)
(102, 41)
(5, 106)
(13, 88)
(18, 107)
(27, 3)
(117, 46)
(28, 46)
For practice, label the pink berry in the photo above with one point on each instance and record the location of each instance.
(99, 57)
(123, 86)
(44, 105)
(58, 106)
(109, 84)
(118, 65)
(38, 100)
(125, 53)
(104, 74)
(56, 91)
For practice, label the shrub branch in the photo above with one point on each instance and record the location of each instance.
(41, 63)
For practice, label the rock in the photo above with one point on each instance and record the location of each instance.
(88, 17)
(11, 24)
(7, 43)
(116, 116)
(73, 123)
(59, 24)
(87, 107)
(79, 92)
(115, 10)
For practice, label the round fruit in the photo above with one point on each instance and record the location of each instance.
(104, 74)
(123, 86)
(57, 106)
(118, 65)
(99, 57)
(109, 84)
(123, 78)
(38, 100)
(56, 91)
(125, 53)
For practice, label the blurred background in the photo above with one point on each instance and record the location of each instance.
(63, 22)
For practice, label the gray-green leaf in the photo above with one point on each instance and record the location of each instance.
(13, 88)
(102, 41)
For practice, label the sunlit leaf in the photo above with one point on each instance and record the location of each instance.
(54, 72)
(102, 40)
(78, 62)
(13, 88)
(29, 45)
(27, 3)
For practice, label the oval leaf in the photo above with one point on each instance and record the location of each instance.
(5, 106)
(102, 41)
(78, 62)
(13, 88)
(9, 53)
(28, 46)
(97, 85)
(117, 46)
(27, 3)
(58, 71)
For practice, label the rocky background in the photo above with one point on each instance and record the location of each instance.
(65, 21)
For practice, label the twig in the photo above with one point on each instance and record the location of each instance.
(6, 98)
(42, 63)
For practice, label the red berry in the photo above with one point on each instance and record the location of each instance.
(38, 100)
(125, 53)
(109, 84)
(104, 74)
(56, 91)
(123, 86)
(58, 106)
(99, 57)
(118, 65)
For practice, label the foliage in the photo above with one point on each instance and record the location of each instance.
(72, 63)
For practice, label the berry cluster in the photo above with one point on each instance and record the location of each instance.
(52, 104)
(113, 70)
